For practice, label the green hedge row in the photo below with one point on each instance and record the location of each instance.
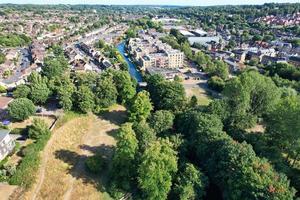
(28, 168)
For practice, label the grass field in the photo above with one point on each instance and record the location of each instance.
(202, 96)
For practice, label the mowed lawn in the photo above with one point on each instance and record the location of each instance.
(65, 176)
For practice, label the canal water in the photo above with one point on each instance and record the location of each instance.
(132, 67)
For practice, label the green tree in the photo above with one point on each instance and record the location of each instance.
(166, 95)
(144, 134)
(63, 88)
(38, 129)
(193, 102)
(124, 156)
(161, 120)
(125, 86)
(39, 90)
(216, 83)
(191, 183)
(231, 165)
(54, 66)
(21, 108)
(250, 96)
(158, 165)
(85, 99)
(21, 91)
(140, 107)
(283, 123)
(57, 50)
(106, 92)
(217, 68)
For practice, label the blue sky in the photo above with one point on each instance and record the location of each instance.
(152, 2)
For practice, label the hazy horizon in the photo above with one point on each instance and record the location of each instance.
(145, 2)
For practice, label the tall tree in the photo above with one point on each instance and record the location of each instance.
(144, 134)
(140, 107)
(63, 88)
(39, 90)
(124, 156)
(161, 120)
(249, 96)
(158, 165)
(106, 92)
(125, 86)
(54, 66)
(283, 123)
(191, 183)
(85, 99)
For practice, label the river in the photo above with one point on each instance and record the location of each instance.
(132, 67)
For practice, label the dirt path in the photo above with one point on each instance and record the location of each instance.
(41, 174)
(62, 173)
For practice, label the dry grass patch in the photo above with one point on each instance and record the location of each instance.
(65, 174)
(28, 122)
(57, 171)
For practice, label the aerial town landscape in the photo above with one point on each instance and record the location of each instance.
(150, 102)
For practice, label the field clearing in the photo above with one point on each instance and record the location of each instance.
(72, 143)
(202, 96)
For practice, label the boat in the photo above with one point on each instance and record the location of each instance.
(125, 54)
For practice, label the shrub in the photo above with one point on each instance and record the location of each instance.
(22, 91)
(38, 129)
(26, 171)
(2, 89)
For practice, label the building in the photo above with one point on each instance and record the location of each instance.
(204, 40)
(166, 73)
(240, 55)
(38, 52)
(267, 60)
(149, 51)
(7, 144)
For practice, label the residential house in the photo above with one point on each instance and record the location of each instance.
(240, 55)
(267, 60)
(7, 144)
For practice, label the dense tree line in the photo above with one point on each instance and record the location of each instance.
(82, 92)
(164, 164)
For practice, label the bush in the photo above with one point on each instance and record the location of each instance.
(21, 109)
(38, 129)
(6, 171)
(95, 164)
(2, 89)
(22, 91)
(26, 171)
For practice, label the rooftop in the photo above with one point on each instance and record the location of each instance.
(3, 133)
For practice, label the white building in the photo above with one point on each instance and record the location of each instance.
(7, 144)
